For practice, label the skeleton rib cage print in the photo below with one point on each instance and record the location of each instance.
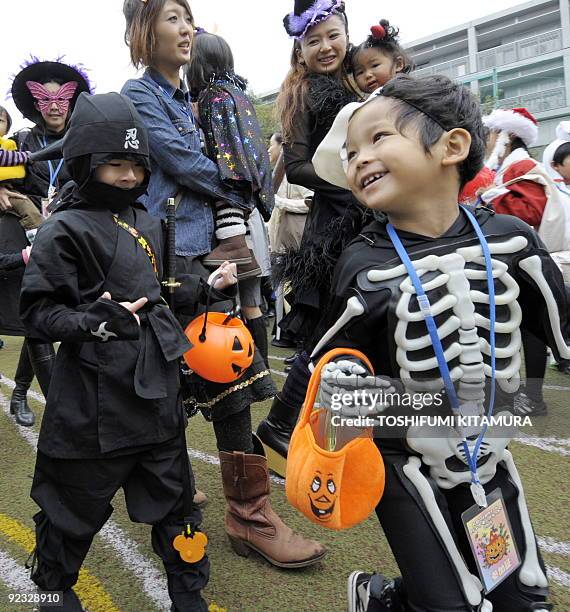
(454, 278)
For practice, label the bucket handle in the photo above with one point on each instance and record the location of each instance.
(233, 313)
(316, 378)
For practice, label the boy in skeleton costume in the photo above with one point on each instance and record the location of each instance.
(407, 152)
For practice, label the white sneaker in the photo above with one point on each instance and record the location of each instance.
(358, 591)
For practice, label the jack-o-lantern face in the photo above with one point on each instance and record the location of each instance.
(495, 549)
(242, 353)
(222, 351)
(322, 497)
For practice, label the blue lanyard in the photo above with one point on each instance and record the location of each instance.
(52, 174)
(425, 308)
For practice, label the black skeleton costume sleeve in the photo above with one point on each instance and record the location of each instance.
(544, 298)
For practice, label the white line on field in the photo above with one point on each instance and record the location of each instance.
(549, 444)
(33, 394)
(559, 576)
(112, 535)
(278, 372)
(550, 545)
(547, 544)
(154, 581)
(14, 575)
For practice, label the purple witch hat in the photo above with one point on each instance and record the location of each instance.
(308, 13)
(37, 70)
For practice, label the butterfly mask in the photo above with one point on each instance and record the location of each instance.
(45, 98)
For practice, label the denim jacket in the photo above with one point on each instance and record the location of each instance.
(177, 162)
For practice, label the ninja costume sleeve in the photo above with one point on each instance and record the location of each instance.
(544, 298)
(11, 261)
(51, 306)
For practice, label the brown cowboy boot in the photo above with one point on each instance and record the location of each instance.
(251, 522)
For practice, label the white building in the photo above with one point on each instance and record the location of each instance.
(518, 57)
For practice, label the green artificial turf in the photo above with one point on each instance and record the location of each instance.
(251, 584)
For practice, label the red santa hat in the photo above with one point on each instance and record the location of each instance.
(510, 122)
(516, 121)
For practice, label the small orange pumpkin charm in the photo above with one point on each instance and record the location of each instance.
(222, 347)
(191, 548)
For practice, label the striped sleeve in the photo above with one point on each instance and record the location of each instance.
(13, 158)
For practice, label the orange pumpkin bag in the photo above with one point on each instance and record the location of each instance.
(222, 346)
(335, 489)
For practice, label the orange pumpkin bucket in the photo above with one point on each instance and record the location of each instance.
(333, 488)
(222, 347)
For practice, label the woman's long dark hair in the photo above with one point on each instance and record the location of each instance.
(293, 92)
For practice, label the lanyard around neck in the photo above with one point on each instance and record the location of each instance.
(425, 308)
(52, 173)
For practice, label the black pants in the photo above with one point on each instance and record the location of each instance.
(429, 576)
(535, 358)
(75, 499)
(36, 359)
(297, 382)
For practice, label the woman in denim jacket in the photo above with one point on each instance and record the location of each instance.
(159, 34)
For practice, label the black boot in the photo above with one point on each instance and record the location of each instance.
(24, 376)
(275, 433)
(291, 359)
(259, 333)
(268, 295)
(42, 358)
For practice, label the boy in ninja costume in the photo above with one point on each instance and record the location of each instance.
(113, 418)
(475, 278)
